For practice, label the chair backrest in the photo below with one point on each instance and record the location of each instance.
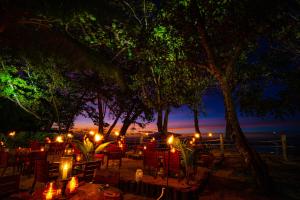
(89, 170)
(35, 145)
(41, 171)
(9, 185)
(151, 158)
(4, 158)
(173, 160)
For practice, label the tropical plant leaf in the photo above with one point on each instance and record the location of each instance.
(79, 145)
(101, 147)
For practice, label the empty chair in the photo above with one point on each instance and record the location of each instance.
(89, 171)
(42, 172)
(9, 188)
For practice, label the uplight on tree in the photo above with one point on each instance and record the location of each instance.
(117, 133)
(98, 137)
(59, 139)
(170, 140)
(12, 134)
(92, 133)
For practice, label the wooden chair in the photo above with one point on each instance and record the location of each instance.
(173, 160)
(89, 170)
(7, 160)
(9, 188)
(114, 155)
(42, 172)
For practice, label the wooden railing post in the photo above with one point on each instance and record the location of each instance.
(222, 144)
(284, 147)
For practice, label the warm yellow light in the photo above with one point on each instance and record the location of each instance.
(12, 134)
(59, 139)
(145, 147)
(193, 139)
(69, 135)
(73, 184)
(210, 134)
(173, 150)
(153, 139)
(98, 137)
(92, 133)
(146, 134)
(42, 149)
(78, 157)
(197, 135)
(117, 133)
(50, 192)
(170, 140)
(191, 142)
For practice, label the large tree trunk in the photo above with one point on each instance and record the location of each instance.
(100, 115)
(228, 131)
(251, 157)
(128, 121)
(166, 120)
(196, 122)
(159, 121)
(113, 125)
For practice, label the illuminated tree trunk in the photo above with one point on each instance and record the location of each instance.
(228, 131)
(166, 120)
(100, 115)
(196, 122)
(159, 121)
(251, 157)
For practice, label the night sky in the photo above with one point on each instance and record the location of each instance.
(181, 120)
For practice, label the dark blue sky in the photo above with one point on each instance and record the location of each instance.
(181, 120)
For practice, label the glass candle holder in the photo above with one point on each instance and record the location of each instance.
(65, 167)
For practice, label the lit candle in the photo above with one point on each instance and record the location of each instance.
(65, 171)
(78, 157)
(73, 184)
(65, 167)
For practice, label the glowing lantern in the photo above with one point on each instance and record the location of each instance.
(210, 134)
(50, 192)
(72, 185)
(153, 139)
(170, 140)
(138, 175)
(92, 133)
(65, 167)
(69, 135)
(78, 157)
(117, 133)
(191, 142)
(197, 135)
(59, 139)
(98, 137)
(12, 134)
(173, 150)
(42, 149)
(145, 147)
(69, 151)
(193, 139)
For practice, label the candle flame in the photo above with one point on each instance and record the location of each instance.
(170, 139)
(73, 184)
(49, 194)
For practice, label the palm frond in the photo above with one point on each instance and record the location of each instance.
(101, 147)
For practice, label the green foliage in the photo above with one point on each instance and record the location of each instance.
(188, 154)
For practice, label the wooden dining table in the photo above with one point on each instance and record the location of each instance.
(88, 191)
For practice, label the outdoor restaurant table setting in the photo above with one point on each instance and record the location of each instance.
(86, 191)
